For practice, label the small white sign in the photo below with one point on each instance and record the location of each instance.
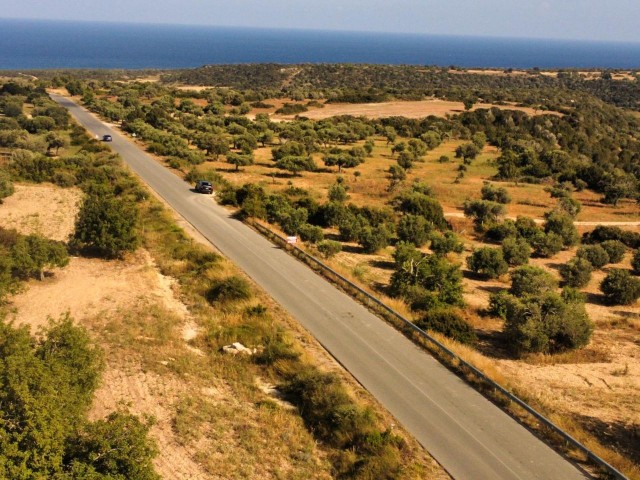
(292, 240)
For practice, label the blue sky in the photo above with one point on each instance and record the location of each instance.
(615, 20)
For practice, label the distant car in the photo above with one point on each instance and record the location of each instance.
(107, 138)
(203, 186)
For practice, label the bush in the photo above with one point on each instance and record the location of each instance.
(106, 226)
(562, 224)
(6, 186)
(310, 233)
(419, 203)
(495, 194)
(594, 254)
(620, 287)
(448, 322)
(546, 245)
(338, 193)
(498, 303)
(329, 248)
(603, 232)
(230, 289)
(576, 273)
(441, 244)
(529, 280)
(527, 228)
(546, 323)
(326, 407)
(414, 229)
(31, 254)
(425, 280)
(498, 232)
(635, 262)
(483, 212)
(372, 239)
(516, 250)
(615, 249)
(488, 262)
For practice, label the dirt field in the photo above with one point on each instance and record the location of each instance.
(409, 109)
(25, 210)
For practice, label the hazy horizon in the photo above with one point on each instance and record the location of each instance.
(580, 20)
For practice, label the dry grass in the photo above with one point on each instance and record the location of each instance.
(409, 109)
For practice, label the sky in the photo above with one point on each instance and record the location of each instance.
(610, 20)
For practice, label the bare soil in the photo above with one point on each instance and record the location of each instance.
(44, 209)
(409, 109)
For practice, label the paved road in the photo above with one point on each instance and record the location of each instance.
(466, 433)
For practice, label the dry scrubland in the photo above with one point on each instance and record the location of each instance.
(415, 109)
(599, 386)
(214, 418)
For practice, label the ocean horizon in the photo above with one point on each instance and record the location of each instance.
(49, 44)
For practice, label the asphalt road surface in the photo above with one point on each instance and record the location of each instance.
(468, 435)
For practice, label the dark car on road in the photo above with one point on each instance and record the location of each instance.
(107, 138)
(203, 186)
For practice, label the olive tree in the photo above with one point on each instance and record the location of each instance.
(620, 287)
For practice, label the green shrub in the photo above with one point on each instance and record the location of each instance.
(546, 245)
(32, 254)
(276, 347)
(516, 250)
(527, 228)
(448, 322)
(229, 289)
(498, 303)
(488, 262)
(576, 273)
(418, 203)
(483, 212)
(310, 233)
(441, 244)
(635, 262)
(326, 407)
(620, 287)
(594, 254)
(106, 227)
(615, 249)
(6, 186)
(414, 229)
(425, 280)
(500, 231)
(562, 224)
(495, 194)
(329, 248)
(529, 280)
(546, 323)
(604, 232)
(372, 239)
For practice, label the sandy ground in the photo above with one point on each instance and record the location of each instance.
(44, 209)
(409, 109)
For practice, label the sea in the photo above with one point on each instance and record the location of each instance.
(44, 44)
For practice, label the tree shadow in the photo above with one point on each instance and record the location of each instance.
(492, 343)
(492, 288)
(555, 266)
(351, 248)
(384, 264)
(623, 438)
(596, 299)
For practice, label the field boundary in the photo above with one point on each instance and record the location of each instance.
(446, 355)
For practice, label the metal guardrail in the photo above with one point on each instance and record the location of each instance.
(438, 346)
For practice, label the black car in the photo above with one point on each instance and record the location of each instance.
(107, 138)
(203, 186)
